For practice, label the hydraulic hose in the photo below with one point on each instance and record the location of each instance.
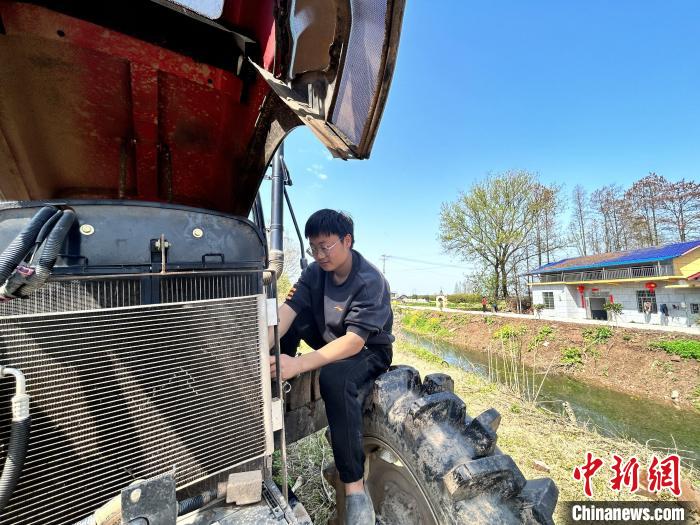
(19, 437)
(18, 248)
(49, 253)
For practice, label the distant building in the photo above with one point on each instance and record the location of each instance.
(659, 285)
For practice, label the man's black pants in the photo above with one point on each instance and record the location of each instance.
(342, 385)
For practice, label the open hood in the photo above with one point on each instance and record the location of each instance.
(183, 101)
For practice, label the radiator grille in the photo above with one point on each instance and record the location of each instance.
(70, 296)
(129, 393)
(95, 293)
(196, 288)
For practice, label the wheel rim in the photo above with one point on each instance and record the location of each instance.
(396, 493)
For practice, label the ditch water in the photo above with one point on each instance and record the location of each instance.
(613, 413)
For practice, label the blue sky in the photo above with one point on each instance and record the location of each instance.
(581, 92)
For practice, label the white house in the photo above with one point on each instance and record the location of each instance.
(658, 285)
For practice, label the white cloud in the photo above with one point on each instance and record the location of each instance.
(318, 170)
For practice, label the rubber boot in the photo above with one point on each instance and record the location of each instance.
(359, 509)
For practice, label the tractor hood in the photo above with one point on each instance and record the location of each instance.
(185, 101)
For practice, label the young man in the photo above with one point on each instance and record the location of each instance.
(341, 307)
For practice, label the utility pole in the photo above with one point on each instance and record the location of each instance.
(384, 264)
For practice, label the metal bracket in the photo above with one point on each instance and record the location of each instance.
(271, 312)
(152, 500)
(277, 415)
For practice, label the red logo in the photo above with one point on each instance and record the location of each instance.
(662, 474)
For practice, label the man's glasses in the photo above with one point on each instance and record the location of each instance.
(325, 250)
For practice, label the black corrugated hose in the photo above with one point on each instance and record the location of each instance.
(47, 240)
(49, 253)
(14, 461)
(20, 246)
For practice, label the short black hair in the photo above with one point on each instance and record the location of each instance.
(329, 222)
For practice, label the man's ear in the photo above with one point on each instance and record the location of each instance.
(347, 240)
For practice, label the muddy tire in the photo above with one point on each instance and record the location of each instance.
(428, 462)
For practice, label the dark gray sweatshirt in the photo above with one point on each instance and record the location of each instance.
(362, 304)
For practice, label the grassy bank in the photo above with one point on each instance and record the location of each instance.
(529, 434)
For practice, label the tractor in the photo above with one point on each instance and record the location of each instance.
(138, 276)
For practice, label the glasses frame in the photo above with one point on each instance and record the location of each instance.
(326, 250)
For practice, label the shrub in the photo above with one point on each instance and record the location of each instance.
(508, 332)
(571, 356)
(464, 298)
(543, 335)
(598, 335)
(687, 348)
(489, 320)
(613, 308)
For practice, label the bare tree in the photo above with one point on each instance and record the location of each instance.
(644, 198)
(681, 203)
(547, 236)
(579, 220)
(608, 203)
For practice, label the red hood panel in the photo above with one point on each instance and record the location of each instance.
(90, 112)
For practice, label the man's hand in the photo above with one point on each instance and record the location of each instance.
(289, 367)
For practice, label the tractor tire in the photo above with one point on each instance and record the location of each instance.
(429, 463)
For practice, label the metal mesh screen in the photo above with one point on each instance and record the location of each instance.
(129, 393)
(95, 293)
(200, 287)
(69, 296)
(361, 74)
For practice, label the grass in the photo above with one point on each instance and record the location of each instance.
(424, 322)
(306, 460)
(695, 397)
(545, 333)
(596, 336)
(688, 348)
(571, 356)
(508, 332)
(527, 433)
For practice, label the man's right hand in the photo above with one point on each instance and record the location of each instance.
(289, 367)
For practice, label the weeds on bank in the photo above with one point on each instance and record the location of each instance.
(306, 460)
(506, 364)
(426, 323)
(544, 334)
(695, 397)
(596, 336)
(571, 356)
(509, 333)
(687, 348)
(593, 339)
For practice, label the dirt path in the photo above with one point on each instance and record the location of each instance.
(623, 362)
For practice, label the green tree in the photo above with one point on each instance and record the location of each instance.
(492, 221)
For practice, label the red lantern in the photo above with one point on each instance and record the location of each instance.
(580, 289)
(650, 286)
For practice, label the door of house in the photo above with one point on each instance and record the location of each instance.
(597, 310)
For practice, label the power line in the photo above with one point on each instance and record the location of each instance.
(419, 261)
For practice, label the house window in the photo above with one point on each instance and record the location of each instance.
(695, 308)
(646, 296)
(548, 299)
